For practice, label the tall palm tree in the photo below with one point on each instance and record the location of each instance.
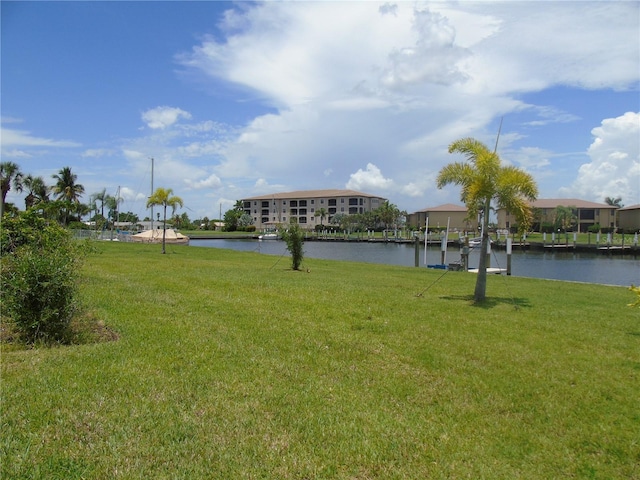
(164, 197)
(10, 174)
(483, 179)
(38, 191)
(66, 189)
(101, 197)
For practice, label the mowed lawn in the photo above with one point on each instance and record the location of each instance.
(230, 365)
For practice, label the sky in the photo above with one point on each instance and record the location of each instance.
(239, 99)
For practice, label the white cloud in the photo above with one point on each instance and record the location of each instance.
(97, 152)
(163, 117)
(614, 169)
(369, 179)
(392, 84)
(23, 138)
(212, 181)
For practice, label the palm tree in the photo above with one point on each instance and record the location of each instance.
(322, 213)
(10, 174)
(101, 197)
(164, 197)
(38, 191)
(614, 202)
(483, 180)
(66, 188)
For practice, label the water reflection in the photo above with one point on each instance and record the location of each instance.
(581, 267)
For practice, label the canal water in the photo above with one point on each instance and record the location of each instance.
(580, 267)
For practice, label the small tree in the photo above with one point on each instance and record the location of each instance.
(294, 238)
(164, 197)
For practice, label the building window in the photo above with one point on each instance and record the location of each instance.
(353, 201)
(353, 210)
(284, 202)
(332, 211)
(342, 200)
(313, 202)
(332, 202)
(293, 203)
(302, 220)
(313, 210)
(362, 201)
(264, 220)
(342, 209)
(303, 203)
(265, 211)
(294, 211)
(284, 219)
(302, 211)
(322, 201)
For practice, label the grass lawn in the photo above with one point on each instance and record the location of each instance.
(231, 365)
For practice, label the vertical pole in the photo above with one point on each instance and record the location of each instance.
(152, 194)
(509, 256)
(443, 250)
(417, 251)
(426, 237)
(488, 253)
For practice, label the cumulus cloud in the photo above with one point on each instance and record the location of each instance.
(369, 179)
(163, 117)
(614, 169)
(212, 181)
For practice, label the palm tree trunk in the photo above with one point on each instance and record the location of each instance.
(481, 282)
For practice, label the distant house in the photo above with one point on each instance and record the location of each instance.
(587, 213)
(629, 218)
(267, 211)
(438, 216)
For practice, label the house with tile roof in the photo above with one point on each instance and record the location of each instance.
(628, 218)
(587, 213)
(438, 216)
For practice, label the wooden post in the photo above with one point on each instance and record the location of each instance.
(509, 256)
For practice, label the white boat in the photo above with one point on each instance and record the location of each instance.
(268, 236)
(155, 236)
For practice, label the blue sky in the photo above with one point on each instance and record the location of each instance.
(237, 99)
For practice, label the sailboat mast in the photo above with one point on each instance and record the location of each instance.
(151, 193)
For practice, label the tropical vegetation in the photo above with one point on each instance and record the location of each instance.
(484, 180)
(166, 198)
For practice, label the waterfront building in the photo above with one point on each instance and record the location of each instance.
(587, 213)
(455, 215)
(629, 218)
(267, 211)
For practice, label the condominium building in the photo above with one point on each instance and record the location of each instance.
(587, 213)
(305, 206)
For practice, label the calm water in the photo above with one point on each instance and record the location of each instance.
(582, 267)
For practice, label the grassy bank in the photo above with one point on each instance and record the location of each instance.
(230, 365)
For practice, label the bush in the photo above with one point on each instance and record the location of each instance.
(294, 238)
(39, 277)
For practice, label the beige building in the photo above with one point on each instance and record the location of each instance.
(440, 215)
(587, 213)
(302, 206)
(629, 218)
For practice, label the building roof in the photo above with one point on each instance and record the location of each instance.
(447, 207)
(313, 194)
(631, 207)
(568, 202)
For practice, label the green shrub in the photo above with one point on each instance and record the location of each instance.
(294, 238)
(39, 277)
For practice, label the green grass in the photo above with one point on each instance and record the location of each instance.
(230, 365)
